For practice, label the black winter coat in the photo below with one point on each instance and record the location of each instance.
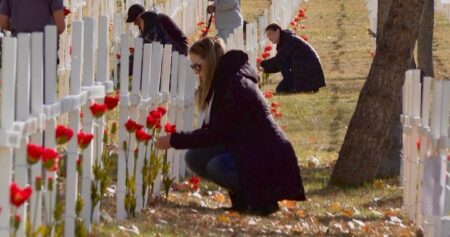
(293, 53)
(241, 119)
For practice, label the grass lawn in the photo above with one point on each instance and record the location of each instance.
(316, 125)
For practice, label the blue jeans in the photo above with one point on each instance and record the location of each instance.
(214, 164)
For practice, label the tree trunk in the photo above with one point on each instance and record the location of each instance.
(379, 105)
(425, 41)
(383, 11)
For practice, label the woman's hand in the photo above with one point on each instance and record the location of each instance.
(211, 9)
(163, 142)
(261, 69)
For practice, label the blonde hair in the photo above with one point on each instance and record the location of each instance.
(210, 49)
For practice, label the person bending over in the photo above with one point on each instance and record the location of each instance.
(239, 146)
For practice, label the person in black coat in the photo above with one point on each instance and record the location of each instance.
(297, 61)
(240, 146)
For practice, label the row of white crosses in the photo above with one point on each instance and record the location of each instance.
(443, 6)
(425, 173)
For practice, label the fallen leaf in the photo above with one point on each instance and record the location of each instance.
(288, 204)
(347, 212)
(219, 197)
(300, 213)
(335, 206)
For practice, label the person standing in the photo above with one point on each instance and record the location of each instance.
(227, 15)
(25, 16)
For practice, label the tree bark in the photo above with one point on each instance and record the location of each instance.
(425, 41)
(379, 105)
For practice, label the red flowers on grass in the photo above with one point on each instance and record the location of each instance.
(19, 196)
(305, 37)
(63, 134)
(98, 109)
(111, 102)
(34, 153)
(268, 94)
(84, 139)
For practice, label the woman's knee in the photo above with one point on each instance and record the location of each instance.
(189, 158)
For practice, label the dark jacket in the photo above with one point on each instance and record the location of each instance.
(297, 57)
(159, 27)
(241, 119)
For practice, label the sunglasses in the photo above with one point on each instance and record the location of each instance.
(196, 66)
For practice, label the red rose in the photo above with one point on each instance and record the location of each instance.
(259, 60)
(268, 48)
(152, 122)
(293, 23)
(275, 104)
(142, 136)
(84, 139)
(34, 153)
(49, 158)
(418, 142)
(67, 11)
(265, 55)
(301, 13)
(161, 110)
(194, 182)
(170, 128)
(130, 125)
(156, 114)
(268, 94)
(19, 196)
(63, 134)
(98, 110)
(305, 37)
(111, 102)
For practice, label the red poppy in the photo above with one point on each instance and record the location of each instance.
(200, 23)
(293, 23)
(142, 136)
(170, 128)
(273, 110)
(84, 139)
(301, 13)
(111, 102)
(302, 27)
(67, 11)
(275, 105)
(297, 19)
(34, 153)
(278, 114)
(418, 142)
(49, 158)
(268, 48)
(98, 109)
(305, 37)
(19, 196)
(265, 55)
(151, 121)
(156, 114)
(161, 110)
(138, 127)
(131, 125)
(259, 60)
(194, 182)
(63, 134)
(268, 94)
(204, 30)
(158, 126)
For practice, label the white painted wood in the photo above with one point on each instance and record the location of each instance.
(172, 108)
(165, 77)
(37, 100)
(103, 55)
(22, 114)
(8, 74)
(123, 134)
(74, 123)
(157, 50)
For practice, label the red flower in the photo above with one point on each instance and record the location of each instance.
(162, 110)
(293, 23)
(131, 50)
(158, 126)
(297, 19)
(302, 27)
(156, 114)
(84, 139)
(18, 195)
(265, 55)
(194, 182)
(418, 142)
(34, 153)
(301, 13)
(142, 136)
(63, 134)
(170, 128)
(81, 115)
(275, 104)
(49, 158)
(111, 102)
(98, 109)
(278, 114)
(259, 60)
(17, 220)
(131, 126)
(268, 94)
(67, 11)
(204, 30)
(268, 48)
(305, 37)
(201, 23)
(151, 121)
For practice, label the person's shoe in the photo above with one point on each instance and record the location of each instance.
(237, 204)
(264, 211)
